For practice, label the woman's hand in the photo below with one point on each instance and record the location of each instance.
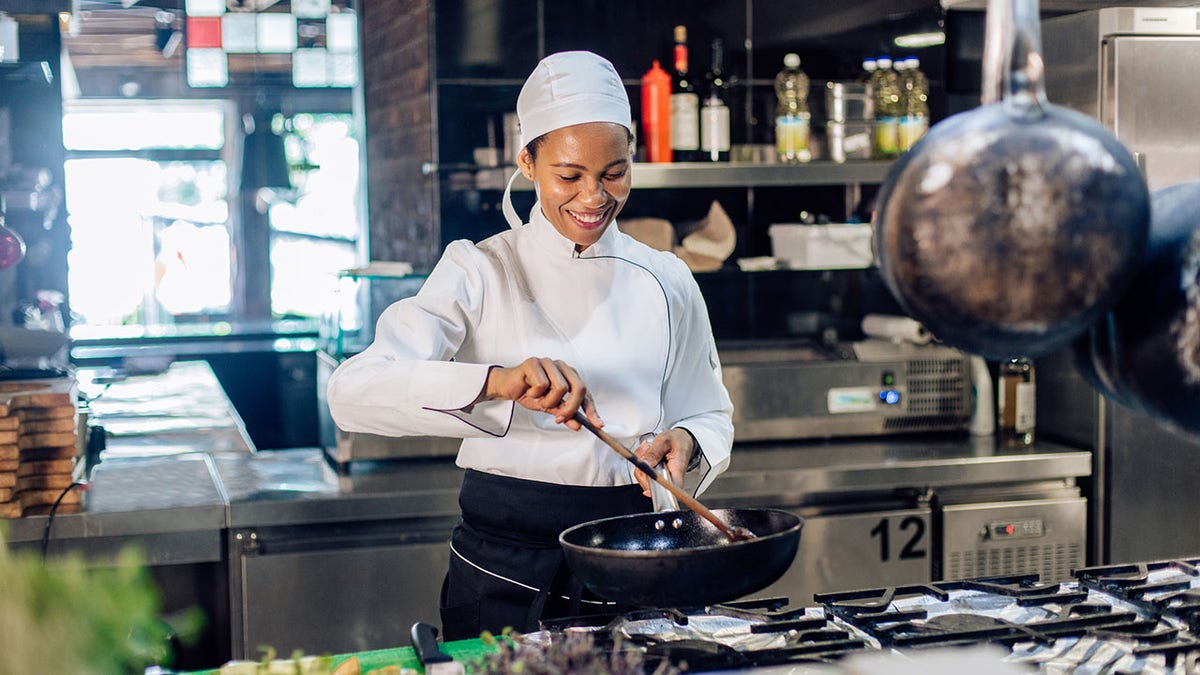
(545, 385)
(676, 446)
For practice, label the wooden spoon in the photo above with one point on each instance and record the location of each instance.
(734, 533)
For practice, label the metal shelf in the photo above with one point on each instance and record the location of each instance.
(701, 175)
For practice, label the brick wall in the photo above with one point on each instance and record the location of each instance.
(398, 111)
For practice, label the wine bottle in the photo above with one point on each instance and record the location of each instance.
(685, 105)
(714, 114)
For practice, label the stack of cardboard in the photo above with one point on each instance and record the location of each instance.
(10, 506)
(38, 447)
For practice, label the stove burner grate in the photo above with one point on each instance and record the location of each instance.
(1026, 589)
(1114, 577)
(1165, 588)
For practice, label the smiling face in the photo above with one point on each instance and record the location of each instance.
(582, 176)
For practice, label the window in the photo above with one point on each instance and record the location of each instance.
(155, 219)
(148, 187)
(313, 234)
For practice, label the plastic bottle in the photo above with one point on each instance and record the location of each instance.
(886, 93)
(792, 117)
(656, 113)
(1016, 402)
(714, 114)
(868, 66)
(685, 105)
(866, 80)
(915, 94)
(983, 412)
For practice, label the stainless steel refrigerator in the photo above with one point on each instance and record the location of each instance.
(1137, 70)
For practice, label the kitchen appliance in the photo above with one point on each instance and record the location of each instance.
(804, 390)
(1133, 68)
(1138, 618)
(987, 538)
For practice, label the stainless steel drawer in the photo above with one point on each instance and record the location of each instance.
(1042, 536)
(860, 550)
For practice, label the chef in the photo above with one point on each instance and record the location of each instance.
(509, 337)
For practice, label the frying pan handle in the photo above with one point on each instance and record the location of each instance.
(1013, 70)
(662, 498)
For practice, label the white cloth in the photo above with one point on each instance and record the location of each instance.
(630, 319)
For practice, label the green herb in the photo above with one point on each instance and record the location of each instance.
(575, 653)
(65, 616)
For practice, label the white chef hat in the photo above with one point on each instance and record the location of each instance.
(571, 88)
(566, 89)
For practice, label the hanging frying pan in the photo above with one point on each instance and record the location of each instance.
(1008, 229)
(1145, 353)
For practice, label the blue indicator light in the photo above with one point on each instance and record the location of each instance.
(889, 396)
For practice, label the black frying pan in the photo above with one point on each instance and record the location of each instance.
(678, 559)
(1010, 228)
(1145, 353)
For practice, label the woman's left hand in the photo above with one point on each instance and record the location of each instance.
(675, 446)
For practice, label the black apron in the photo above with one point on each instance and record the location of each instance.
(506, 566)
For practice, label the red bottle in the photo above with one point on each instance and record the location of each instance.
(656, 114)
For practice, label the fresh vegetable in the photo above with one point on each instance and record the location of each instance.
(299, 664)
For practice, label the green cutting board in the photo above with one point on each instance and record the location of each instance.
(465, 651)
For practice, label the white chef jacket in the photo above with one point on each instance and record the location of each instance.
(630, 319)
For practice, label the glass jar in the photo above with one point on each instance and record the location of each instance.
(1016, 402)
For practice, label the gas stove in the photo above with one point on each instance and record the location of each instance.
(1133, 618)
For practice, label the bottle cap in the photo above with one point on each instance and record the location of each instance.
(884, 61)
(791, 60)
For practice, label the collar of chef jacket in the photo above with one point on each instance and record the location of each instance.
(546, 236)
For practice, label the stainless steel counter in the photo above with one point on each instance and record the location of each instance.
(182, 409)
(299, 486)
(799, 472)
(296, 487)
(232, 528)
(156, 484)
(171, 507)
(196, 491)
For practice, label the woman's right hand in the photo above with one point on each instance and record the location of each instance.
(545, 385)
